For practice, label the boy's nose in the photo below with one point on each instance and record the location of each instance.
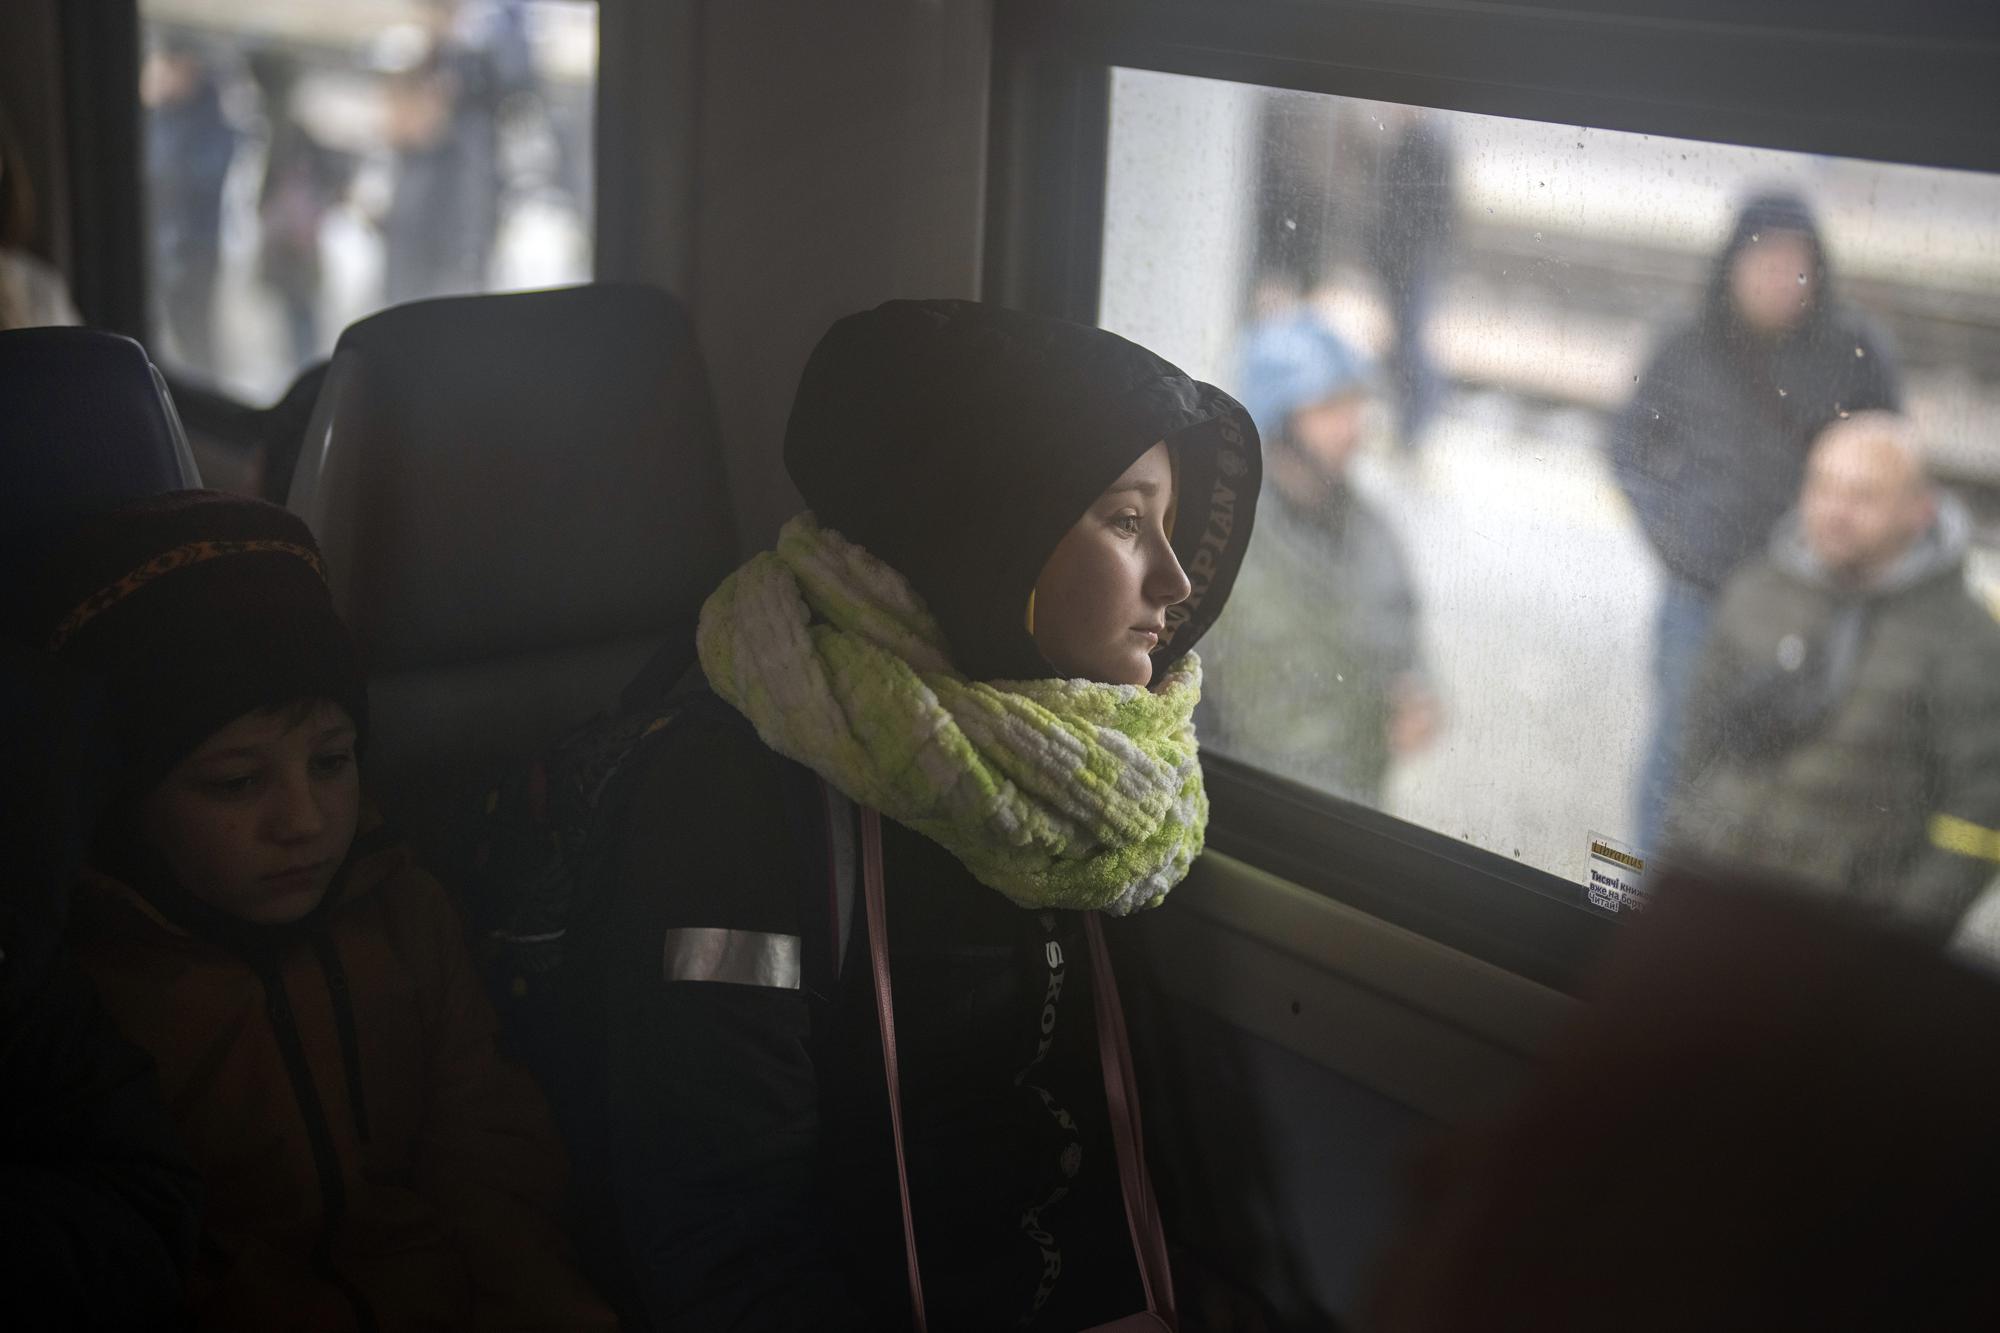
(298, 816)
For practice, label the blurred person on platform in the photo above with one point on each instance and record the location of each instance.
(1325, 679)
(1844, 727)
(189, 146)
(1712, 447)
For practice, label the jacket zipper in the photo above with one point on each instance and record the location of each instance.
(326, 1162)
(343, 1020)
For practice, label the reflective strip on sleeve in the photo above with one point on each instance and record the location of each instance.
(1949, 833)
(741, 957)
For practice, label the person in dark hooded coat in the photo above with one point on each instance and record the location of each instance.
(1713, 445)
(1017, 524)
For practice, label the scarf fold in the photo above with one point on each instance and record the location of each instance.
(1058, 793)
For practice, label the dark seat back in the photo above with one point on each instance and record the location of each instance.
(520, 498)
(86, 423)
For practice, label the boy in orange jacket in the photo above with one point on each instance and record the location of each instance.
(369, 1160)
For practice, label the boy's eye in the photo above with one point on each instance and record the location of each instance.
(333, 763)
(227, 785)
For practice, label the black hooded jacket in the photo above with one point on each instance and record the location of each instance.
(753, 1174)
(1712, 448)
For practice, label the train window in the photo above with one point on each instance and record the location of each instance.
(1625, 494)
(308, 163)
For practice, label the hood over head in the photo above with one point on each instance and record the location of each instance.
(1772, 210)
(958, 442)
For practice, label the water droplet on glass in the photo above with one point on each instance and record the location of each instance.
(1755, 237)
(1845, 414)
(1656, 416)
(1860, 352)
(1291, 224)
(1579, 143)
(1635, 379)
(1784, 393)
(1538, 236)
(1802, 279)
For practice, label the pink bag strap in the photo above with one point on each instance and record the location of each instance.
(885, 1013)
(1121, 1097)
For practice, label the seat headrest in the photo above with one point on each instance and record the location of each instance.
(86, 423)
(496, 475)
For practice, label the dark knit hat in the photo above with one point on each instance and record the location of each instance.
(193, 608)
(959, 442)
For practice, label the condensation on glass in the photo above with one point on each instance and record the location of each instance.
(1616, 485)
(310, 162)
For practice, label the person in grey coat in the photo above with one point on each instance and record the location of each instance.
(1844, 730)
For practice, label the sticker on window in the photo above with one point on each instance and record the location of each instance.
(1617, 879)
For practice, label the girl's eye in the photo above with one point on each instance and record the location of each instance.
(1127, 524)
(231, 785)
(332, 764)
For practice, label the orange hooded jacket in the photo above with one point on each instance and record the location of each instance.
(369, 1160)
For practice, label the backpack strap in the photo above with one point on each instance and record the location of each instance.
(1121, 1099)
(1128, 1139)
(885, 1013)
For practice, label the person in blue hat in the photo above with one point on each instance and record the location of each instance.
(1325, 679)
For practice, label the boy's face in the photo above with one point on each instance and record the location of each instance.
(257, 820)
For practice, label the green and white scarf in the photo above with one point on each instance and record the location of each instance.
(1058, 793)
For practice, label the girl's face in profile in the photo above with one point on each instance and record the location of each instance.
(1101, 601)
(257, 821)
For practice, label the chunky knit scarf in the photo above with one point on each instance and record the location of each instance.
(1058, 793)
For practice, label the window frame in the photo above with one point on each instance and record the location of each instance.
(1776, 74)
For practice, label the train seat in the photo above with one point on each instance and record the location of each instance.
(521, 497)
(85, 423)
